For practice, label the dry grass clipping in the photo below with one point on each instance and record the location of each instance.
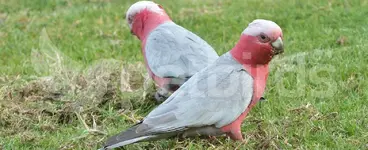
(70, 93)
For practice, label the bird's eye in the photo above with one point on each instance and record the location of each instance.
(264, 38)
(130, 19)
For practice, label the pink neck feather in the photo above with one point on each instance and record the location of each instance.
(146, 21)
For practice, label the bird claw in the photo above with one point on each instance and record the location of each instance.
(161, 95)
(212, 137)
(159, 98)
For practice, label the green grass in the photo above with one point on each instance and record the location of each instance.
(317, 91)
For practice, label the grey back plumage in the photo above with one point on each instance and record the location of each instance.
(173, 51)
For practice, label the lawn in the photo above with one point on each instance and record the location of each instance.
(71, 74)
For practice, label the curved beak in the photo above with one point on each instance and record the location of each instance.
(278, 45)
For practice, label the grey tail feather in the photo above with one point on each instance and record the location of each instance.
(130, 136)
(126, 137)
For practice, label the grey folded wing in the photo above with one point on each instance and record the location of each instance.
(173, 51)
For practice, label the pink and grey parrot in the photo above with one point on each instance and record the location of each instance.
(172, 53)
(216, 100)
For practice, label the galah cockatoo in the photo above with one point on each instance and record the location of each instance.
(172, 53)
(217, 99)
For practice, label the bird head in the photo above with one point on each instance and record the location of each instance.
(139, 11)
(259, 42)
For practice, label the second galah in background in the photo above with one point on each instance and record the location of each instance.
(216, 100)
(172, 53)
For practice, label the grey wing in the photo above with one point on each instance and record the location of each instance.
(173, 51)
(214, 96)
